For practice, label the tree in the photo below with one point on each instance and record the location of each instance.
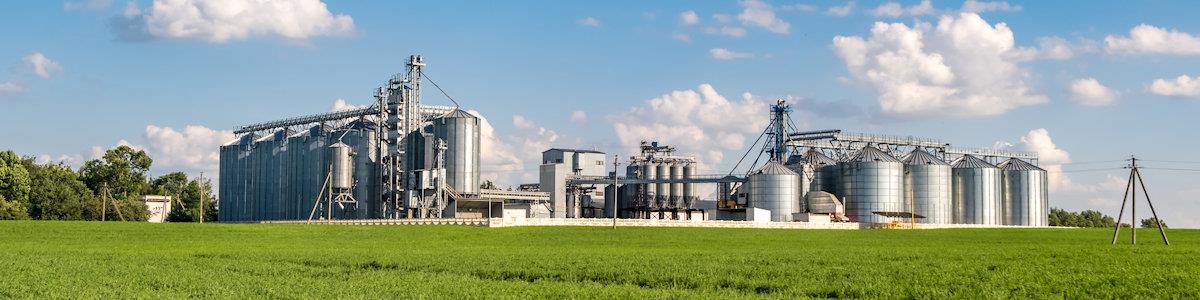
(14, 187)
(1153, 223)
(187, 192)
(122, 171)
(1087, 218)
(57, 193)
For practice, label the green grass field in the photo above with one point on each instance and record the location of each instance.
(142, 260)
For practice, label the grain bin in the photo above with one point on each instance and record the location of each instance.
(927, 187)
(872, 182)
(774, 187)
(976, 188)
(1025, 194)
(460, 131)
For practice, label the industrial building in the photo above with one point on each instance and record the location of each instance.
(400, 159)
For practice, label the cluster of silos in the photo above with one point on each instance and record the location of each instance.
(977, 191)
(927, 188)
(871, 186)
(662, 195)
(1025, 191)
(774, 187)
(816, 172)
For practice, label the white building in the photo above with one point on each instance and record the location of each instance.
(159, 207)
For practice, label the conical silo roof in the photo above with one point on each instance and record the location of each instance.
(920, 157)
(458, 113)
(773, 168)
(971, 162)
(814, 157)
(1015, 164)
(872, 154)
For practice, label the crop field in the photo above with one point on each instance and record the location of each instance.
(143, 260)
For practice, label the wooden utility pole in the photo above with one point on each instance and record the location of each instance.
(1131, 187)
(616, 201)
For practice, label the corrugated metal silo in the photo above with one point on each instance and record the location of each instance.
(774, 187)
(650, 191)
(676, 187)
(460, 130)
(976, 191)
(927, 187)
(662, 189)
(689, 189)
(872, 181)
(1026, 197)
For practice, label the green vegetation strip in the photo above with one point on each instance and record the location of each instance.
(142, 260)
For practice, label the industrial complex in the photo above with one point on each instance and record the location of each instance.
(399, 159)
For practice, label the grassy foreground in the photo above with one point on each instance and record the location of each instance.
(142, 260)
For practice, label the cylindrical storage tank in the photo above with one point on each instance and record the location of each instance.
(826, 173)
(342, 176)
(610, 201)
(927, 188)
(976, 188)
(650, 191)
(662, 189)
(1025, 199)
(460, 131)
(774, 187)
(689, 189)
(872, 182)
(676, 199)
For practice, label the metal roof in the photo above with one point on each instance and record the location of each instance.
(458, 113)
(573, 150)
(872, 154)
(1014, 164)
(773, 168)
(920, 157)
(814, 157)
(971, 162)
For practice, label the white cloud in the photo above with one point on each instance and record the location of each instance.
(682, 37)
(579, 116)
(972, 6)
(341, 105)
(1149, 39)
(689, 18)
(1054, 48)
(762, 14)
(723, 18)
(1088, 91)
(726, 30)
(1050, 157)
(588, 21)
(219, 21)
(87, 5)
(841, 11)
(1182, 86)
(798, 7)
(195, 148)
(11, 88)
(41, 65)
(962, 67)
(894, 10)
(695, 121)
(726, 54)
(511, 159)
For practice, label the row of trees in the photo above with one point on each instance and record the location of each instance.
(1091, 218)
(106, 188)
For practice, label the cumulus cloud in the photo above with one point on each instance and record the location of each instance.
(699, 122)
(87, 5)
(762, 14)
(194, 148)
(1153, 40)
(10, 87)
(588, 21)
(726, 54)
(41, 65)
(342, 105)
(1051, 158)
(1089, 91)
(682, 37)
(841, 11)
(511, 159)
(1182, 86)
(689, 18)
(798, 7)
(221, 21)
(963, 66)
(579, 116)
(726, 30)
(894, 10)
(972, 6)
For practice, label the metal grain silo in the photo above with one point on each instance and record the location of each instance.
(927, 188)
(610, 201)
(689, 189)
(817, 172)
(774, 187)
(872, 183)
(650, 191)
(662, 189)
(1025, 199)
(676, 199)
(342, 168)
(460, 130)
(976, 188)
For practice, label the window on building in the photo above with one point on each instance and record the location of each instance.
(599, 162)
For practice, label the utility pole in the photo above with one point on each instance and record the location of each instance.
(615, 195)
(1135, 179)
(201, 184)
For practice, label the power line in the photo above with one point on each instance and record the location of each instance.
(439, 88)
(1087, 170)
(1172, 169)
(1173, 161)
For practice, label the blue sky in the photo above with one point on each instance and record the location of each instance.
(605, 74)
